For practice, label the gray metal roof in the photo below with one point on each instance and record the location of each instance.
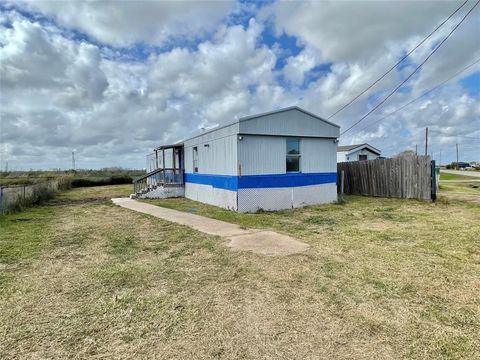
(251, 117)
(162, 147)
(245, 118)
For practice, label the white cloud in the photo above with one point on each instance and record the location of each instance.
(363, 40)
(298, 66)
(60, 93)
(123, 23)
(115, 110)
(357, 30)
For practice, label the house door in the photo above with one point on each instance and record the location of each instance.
(180, 158)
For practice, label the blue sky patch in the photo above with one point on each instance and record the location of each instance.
(471, 84)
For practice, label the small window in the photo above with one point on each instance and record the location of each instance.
(362, 158)
(293, 155)
(195, 159)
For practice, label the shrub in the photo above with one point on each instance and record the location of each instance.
(111, 180)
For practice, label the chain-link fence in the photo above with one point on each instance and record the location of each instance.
(17, 196)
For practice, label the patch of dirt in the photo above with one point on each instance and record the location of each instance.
(84, 201)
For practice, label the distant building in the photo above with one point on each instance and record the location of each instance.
(463, 165)
(359, 152)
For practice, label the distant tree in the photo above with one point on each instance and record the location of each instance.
(405, 153)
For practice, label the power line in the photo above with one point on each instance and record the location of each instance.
(414, 71)
(398, 63)
(419, 97)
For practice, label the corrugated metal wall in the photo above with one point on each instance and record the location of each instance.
(318, 155)
(354, 156)
(259, 155)
(262, 155)
(220, 152)
(219, 157)
(290, 123)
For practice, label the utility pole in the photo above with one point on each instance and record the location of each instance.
(416, 149)
(426, 141)
(73, 160)
(457, 156)
(440, 161)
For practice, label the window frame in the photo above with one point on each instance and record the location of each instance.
(195, 159)
(298, 156)
(364, 157)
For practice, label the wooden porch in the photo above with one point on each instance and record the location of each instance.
(163, 175)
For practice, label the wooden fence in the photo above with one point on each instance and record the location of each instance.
(403, 177)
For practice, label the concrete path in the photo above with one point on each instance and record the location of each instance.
(458, 172)
(257, 241)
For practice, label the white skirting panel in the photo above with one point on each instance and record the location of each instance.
(252, 200)
(214, 196)
(164, 192)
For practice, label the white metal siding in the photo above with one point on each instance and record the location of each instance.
(289, 123)
(259, 155)
(318, 155)
(341, 157)
(370, 156)
(262, 155)
(218, 158)
(354, 156)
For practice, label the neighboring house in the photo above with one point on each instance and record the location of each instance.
(357, 152)
(463, 165)
(271, 161)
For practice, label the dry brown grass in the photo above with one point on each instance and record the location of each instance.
(108, 282)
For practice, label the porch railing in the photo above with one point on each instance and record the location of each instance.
(158, 177)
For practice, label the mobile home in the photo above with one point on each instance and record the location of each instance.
(270, 161)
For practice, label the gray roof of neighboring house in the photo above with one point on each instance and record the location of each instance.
(358, 146)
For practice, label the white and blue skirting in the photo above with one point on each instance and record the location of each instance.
(252, 193)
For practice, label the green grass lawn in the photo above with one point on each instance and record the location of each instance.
(383, 278)
(447, 176)
(460, 187)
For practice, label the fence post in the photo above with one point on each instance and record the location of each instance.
(433, 180)
(342, 181)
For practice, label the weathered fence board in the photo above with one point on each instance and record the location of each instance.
(402, 177)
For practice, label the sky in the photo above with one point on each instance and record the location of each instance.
(111, 80)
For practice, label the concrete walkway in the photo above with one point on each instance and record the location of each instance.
(257, 241)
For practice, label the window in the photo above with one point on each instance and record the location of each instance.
(195, 159)
(362, 158)
(293, 155)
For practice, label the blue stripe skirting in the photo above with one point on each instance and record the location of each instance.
(218, 181)
(234, 183)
